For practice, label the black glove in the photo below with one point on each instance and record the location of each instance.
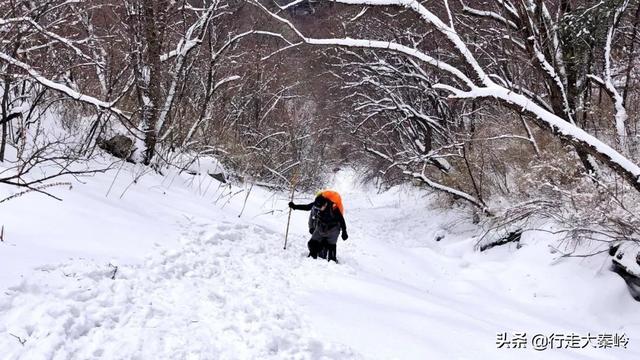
(311, 231)
(344, 236)
(291, 204)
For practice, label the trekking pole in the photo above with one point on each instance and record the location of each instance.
(293, 190)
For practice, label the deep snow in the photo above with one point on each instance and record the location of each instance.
(195, 281)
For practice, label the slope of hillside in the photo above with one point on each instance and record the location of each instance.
(165, 268)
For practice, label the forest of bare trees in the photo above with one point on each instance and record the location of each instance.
(524, 110)
(152, 79)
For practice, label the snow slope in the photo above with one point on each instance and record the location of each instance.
(195, 281)
(407, 296)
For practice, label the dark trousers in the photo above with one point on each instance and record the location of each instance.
(323, 249)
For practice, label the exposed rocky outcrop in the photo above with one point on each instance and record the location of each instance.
(119, 146)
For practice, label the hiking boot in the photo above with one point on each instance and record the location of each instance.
(331, 253)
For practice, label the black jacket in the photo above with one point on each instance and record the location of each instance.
(330, 216)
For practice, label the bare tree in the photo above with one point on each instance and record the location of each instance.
(482, 83)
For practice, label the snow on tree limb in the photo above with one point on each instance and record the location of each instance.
(186, 44)
(49, 34)
(432, 184)
(63, 88)
(226, 80)
(489, 15)
(508, 6)
(618, 101)
(432, 19)
(376, 44)
(623, 166)
(483, 87)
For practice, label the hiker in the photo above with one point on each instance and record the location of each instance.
(325, 223)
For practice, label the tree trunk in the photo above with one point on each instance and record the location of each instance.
(5, 116)
(147, 32)
(634, 34)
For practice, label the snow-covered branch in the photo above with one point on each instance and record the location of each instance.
(192, 38)
(618, 101)
(603, 152)
(73, 94)
(67, 42)
(481, 86)
(489, 15)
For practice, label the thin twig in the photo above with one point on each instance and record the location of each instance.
(115, 270)
(20, 340)
(245, 200)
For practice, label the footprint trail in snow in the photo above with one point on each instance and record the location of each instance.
(226, 293)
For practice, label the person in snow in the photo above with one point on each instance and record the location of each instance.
(326, 221)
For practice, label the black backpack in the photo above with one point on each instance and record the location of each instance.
(313, 218)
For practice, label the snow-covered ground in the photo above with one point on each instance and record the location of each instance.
(165, 268)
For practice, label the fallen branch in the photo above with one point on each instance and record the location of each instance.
(513, 236)
(37, 189)
(20, 340)
(115, 271)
